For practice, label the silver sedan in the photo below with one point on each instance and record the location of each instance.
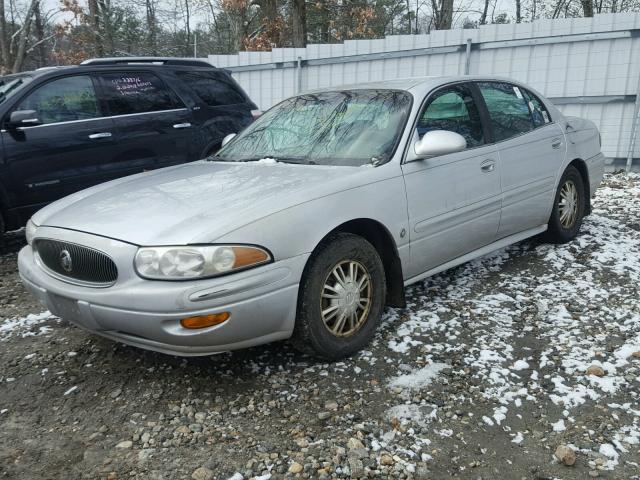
(313, 219)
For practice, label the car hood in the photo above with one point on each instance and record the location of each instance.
(191, 203)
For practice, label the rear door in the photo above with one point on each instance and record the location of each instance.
(154, 126)
(453, 199)
(224, 107)
(531, 149)
(71, 147)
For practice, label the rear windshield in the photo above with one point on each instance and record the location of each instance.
(215, 88)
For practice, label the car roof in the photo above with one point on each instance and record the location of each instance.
(121, 63)
(416, 85)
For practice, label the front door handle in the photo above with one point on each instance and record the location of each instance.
(182, 125)
(556, 142)
(95, 136)
(488, 166)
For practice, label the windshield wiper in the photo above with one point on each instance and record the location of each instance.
(257, 159)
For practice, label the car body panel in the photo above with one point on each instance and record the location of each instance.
(437, 213)
(448, 217)
(529, 166)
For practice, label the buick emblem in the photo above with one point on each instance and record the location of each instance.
(65, 260)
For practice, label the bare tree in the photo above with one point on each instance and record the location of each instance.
(442, 13)
(518, 12)
(587, 7)
(483, 16)
(23, 34)
(299, 23)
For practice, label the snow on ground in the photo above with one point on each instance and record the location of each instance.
(26, 326)
(531, 340)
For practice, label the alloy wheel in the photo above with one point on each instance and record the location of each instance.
(568, 204)
(346, 298)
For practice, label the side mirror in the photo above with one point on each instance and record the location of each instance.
(227, 139)
(439, 142)
(24, 118)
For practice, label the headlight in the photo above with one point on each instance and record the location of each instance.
(184, 263)
(30, 231)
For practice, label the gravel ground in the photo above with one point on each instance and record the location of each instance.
(520, 365)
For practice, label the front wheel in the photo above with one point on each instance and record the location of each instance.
(568, 208)
(341, 298)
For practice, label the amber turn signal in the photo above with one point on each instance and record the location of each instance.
(246, 256)
(203, 321)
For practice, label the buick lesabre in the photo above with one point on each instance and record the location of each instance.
(308, 223)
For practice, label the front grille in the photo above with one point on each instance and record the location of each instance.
(76, 262)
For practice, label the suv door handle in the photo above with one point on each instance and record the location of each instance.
(95, 136)
(182, 125)
(556, 142)
(488, 166)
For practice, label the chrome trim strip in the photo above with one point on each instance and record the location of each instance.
(100, 118)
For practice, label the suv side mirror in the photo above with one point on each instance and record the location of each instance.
(227, 139)
(24, 118)
(439, 142)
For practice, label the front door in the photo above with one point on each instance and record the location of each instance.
(531, 149)
(453, 199)
(66, 150)
(154, 126)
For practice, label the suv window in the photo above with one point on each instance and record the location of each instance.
(509, 112)
(214, 88)
(63, 100)
(452, 108)
(538, 110)
(137, 92)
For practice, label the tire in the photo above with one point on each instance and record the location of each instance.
(563, 229)
(313, 333)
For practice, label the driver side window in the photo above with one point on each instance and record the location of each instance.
(63, 100)
(453, 109)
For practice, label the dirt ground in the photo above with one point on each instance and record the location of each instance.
(483, 375)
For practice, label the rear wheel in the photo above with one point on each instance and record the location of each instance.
(341, 298)
(568, 208)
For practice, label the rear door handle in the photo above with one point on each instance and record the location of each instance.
(488, 166)
(95, 136)
(556, 142)
(182, 125)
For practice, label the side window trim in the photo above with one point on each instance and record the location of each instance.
(33, 88)
(544, 105)
(485, 118)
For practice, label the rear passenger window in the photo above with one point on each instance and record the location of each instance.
(137, 92)
(538, 110)
(63, 100)
(453, 109)
(214, 88)
(508, 109)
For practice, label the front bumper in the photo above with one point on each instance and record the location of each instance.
(146, 313)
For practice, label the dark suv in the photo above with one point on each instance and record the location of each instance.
(68, 128)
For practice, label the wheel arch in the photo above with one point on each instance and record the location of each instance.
(582, 168)
(379, 236)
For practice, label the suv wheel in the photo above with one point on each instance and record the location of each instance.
(568, 208)
(341, 298)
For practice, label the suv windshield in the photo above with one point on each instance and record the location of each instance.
(9, 84)
(353, 127)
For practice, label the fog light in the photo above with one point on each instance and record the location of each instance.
(203, 321)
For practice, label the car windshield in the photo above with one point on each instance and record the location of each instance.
(352, 128)
(9, 84)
